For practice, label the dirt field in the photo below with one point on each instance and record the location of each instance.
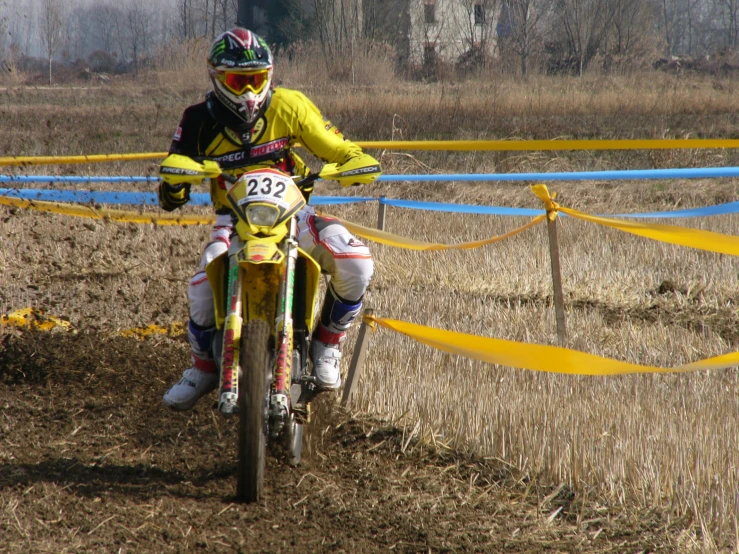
(92, 462)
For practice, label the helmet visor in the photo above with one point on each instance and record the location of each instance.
(239, 83)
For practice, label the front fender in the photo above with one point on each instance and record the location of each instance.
(262, 284)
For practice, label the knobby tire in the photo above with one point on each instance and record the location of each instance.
(252, 390)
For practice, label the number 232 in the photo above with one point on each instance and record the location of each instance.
(254, 188)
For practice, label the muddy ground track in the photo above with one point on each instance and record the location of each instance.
(92, 462)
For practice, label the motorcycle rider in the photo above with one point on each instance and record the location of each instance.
(245, 123)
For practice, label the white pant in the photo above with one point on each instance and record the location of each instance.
(336, 250)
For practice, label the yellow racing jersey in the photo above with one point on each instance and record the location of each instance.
(290, 118)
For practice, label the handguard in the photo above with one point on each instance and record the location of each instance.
(177, 169)
(362, 170)
(172, 197)
(178, 173)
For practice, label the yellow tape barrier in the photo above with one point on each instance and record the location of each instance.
(595, 144)
(390, 239)
(134, 217)
(46, 160)
(683, 236)
(174, 330)
(536, 357)
(113, 215)
(480, 145)
(33, 318)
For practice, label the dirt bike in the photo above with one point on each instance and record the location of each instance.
(266, 292)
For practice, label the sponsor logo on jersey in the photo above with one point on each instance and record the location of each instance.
(269, 147)
(231, 157)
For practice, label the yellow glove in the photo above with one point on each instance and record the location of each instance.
(361, 170)
(172, 197)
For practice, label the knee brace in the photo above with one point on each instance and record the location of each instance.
(201, 339)
(337, 313)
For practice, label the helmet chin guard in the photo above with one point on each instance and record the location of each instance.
(224, 114)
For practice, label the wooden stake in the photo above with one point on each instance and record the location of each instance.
(381, 212)
(355, 367)
(559, 304)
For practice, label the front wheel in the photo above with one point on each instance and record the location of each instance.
(253, 395)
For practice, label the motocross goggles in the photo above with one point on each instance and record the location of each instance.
(239, 82)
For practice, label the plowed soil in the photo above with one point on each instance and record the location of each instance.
(91, 461)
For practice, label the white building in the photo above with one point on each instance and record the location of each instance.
(447, 30)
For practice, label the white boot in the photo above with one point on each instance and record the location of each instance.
(194, 385)
(325, 352)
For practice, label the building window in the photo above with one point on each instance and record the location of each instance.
(479, 14)
(429, 54)
(429, 13)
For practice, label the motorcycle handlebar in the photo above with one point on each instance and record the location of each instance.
(306, 181)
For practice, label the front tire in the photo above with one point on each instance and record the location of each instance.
(253, 394)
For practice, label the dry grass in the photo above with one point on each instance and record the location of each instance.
(666, 441)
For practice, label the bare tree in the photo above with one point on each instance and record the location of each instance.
(50, 28)
(679, 22)
(585, 24)
(139, 19)
(520, 30)
(102, 24)
(729, 14)
(339, 27)
(4, 27)
(134, 30)
(475, 24)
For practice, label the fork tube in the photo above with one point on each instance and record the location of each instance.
(229, 385)
(284, 320)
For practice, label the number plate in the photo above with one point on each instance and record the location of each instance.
(267, 187)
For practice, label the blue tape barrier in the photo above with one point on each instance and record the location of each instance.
(687, 173)
(203, 199)
(333, 200)
(459, 208)
(76, 179)
(718, 209)
(148, 198)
